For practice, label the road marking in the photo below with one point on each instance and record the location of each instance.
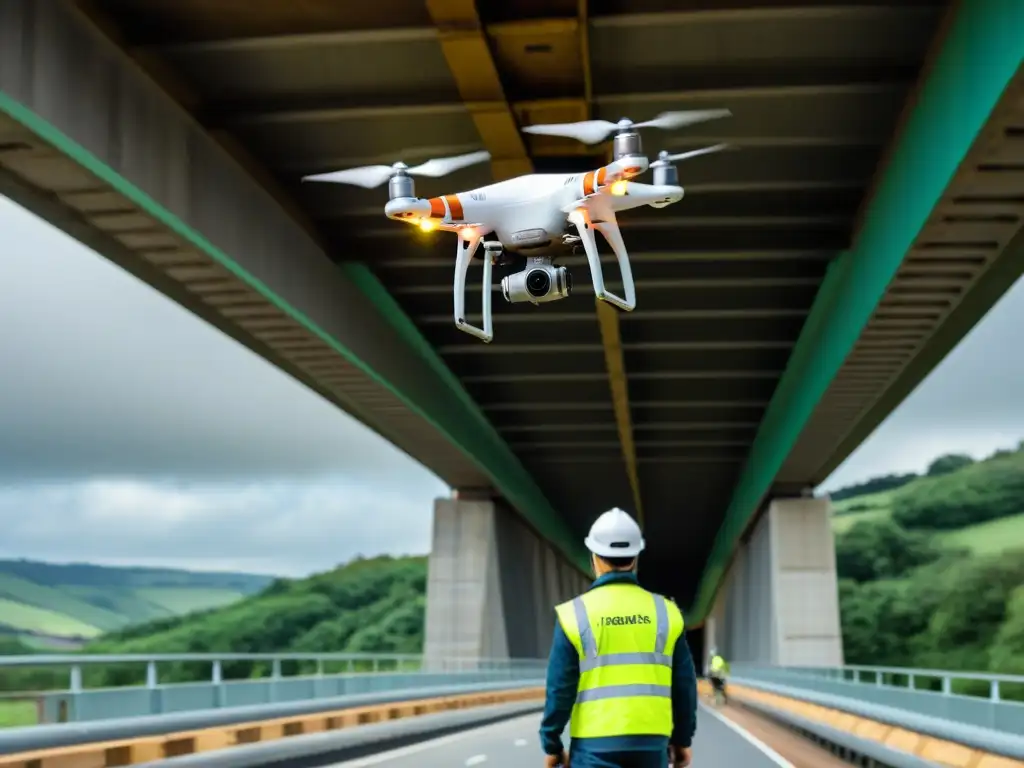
(768, 752)
(476, 760)
(423, 746)
(520, 742)
(412, 749)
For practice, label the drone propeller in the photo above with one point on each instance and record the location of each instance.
(594, 131)
(371, 176)
(665, 157)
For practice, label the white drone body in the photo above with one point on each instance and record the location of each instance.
(528, 215)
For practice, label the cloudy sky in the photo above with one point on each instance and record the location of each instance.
(131, 432)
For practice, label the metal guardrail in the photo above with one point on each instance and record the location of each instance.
(991, 712)
(48, 737)
(1006, 743)
(362, 673)
(853, 745)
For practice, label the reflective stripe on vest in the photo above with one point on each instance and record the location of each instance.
(591, 660)
(625, 661)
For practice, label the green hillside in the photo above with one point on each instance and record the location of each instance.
(932, 571)
(50, 605)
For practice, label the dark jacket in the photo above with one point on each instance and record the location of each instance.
(563, 682)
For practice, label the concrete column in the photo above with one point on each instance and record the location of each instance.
(779, 604)
(806, 592)
(492, 584)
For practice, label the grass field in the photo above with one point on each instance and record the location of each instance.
(29, 618)
(861, 504)
(40, 601)
(987, 538)
(843, 523)
(15, 713)
(187, 599)
(58, 601)
(982, 539)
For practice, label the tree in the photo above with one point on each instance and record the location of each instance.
(1006, 654)
(872, 485)
(948, 464)
(983, 491)
(880, 549)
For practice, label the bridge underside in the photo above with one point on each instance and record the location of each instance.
(656, 410)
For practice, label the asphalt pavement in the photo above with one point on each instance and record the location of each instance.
(515, 744)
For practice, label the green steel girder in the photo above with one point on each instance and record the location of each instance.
(982, 51)
(456, 416)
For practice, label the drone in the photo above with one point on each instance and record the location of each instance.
(530, 216)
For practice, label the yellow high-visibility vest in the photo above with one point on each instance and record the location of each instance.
(717, 664)
(625, 637)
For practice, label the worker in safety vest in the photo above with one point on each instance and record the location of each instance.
(718, 672)
(620, 672)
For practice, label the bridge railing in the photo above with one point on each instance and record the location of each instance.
(931, 692)
(902, 718)
(102, 687)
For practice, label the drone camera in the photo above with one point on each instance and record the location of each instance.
(540, 282)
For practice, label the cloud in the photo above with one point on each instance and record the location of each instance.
(284, 527)
(102, 375)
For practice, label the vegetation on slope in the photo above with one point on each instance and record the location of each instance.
(932, 573)
(44, 602)
(367, 605)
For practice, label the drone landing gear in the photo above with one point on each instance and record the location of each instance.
(466, 249)
(608, 227)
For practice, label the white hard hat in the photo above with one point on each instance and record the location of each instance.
(615, 534)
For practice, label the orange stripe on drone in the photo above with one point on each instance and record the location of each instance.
(455, 206)
(588, 183)
(437, 209)
(602, 172)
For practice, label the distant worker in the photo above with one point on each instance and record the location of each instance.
(620, 672)
(718, 671)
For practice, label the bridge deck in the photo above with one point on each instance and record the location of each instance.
(514, 743)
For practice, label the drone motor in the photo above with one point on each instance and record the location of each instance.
(401, 186)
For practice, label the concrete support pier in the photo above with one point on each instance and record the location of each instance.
(779, 605)
(492, 584)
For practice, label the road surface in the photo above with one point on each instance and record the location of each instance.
(515, 744)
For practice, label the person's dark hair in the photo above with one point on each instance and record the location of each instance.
(619, 562)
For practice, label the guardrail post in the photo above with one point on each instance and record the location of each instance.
(275, 675)
(217, 678)
(75, 687)
(153, 684)
(947, 685)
